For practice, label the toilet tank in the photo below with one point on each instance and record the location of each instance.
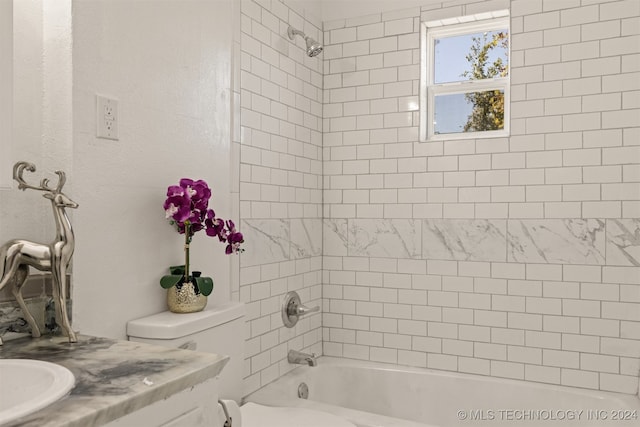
(217, 329)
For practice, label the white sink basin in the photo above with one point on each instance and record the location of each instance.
(29, 385)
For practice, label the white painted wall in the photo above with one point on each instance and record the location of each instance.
(26, 214)
(6, 90)
(57, 139)
(168, 65)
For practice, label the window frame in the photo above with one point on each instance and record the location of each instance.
(429, 32)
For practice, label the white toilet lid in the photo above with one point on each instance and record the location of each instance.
(255, 415)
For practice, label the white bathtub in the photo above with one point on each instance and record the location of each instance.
(379, 395)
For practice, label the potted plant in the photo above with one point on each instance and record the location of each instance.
(187, 209)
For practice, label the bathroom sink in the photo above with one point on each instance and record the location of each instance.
(29, 385)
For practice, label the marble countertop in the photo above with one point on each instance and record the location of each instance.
(113, 377)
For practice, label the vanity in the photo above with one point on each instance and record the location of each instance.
(122, 383)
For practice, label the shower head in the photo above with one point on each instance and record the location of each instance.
(313, 47)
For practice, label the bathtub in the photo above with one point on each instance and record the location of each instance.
(372, 394)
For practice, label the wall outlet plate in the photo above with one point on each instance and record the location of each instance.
(107, 117)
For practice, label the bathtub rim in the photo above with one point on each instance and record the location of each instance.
(630, 399)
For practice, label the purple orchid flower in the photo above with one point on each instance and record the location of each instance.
(215, 226)
(175, 190)
(201, 189)
(177, 207)
(188, 204)
(234, 239)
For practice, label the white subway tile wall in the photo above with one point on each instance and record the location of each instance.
(512, 257)
(280, 184)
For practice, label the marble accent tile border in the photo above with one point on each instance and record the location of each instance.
(272, 236)
(576, 241)
(335, 237)
(465, 240)
(399, 238)
(623, 242)
(306, 237)
(281, 240)
(557, 241)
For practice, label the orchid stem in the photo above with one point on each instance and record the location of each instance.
(187, 238)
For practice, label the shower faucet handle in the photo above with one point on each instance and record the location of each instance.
(301, 310)
(293, 309)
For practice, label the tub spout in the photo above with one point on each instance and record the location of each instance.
(301, 358)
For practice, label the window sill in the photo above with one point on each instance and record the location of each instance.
(468, 135)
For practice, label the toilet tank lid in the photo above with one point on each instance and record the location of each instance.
(168, 325)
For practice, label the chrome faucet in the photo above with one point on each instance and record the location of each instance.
(301, 358)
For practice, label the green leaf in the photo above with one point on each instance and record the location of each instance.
(170, 281)
(177, 269)
(205, 285)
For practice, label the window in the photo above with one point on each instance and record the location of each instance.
(464, 81)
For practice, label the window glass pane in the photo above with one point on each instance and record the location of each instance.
(476, 56)
(469, 112)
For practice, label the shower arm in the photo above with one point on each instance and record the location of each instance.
(313, 47)
(292, 32)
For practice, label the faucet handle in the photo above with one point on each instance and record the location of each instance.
(293, 309)
(301, 310)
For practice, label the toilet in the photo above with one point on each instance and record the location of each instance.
(220, 330)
